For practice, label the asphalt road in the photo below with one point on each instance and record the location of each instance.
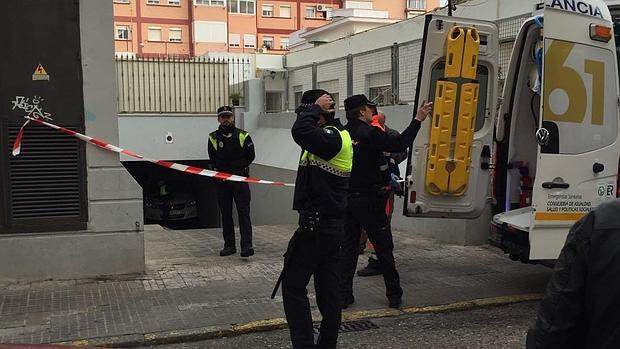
(497, 327)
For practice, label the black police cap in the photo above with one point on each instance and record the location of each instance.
(357, 101)
(225, 110)
(310, 96)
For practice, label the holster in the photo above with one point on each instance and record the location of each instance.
(309, 223)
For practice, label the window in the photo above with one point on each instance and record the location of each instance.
(328, 12)
(152, 2)
(297, 96)
(380, 94)
(416, 4)
(284, 43)
(268, 42)
(175, 35)
(154, 34)
(207, 31)
(241, 6)
(273, 102)
(121, 1)
(122, 32)
(210, 2)
(234, 40)
(267, 10)
(174, 2)
(249, 41)
(285, 11)
(310, 11)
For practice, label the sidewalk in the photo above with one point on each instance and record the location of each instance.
(189, 287)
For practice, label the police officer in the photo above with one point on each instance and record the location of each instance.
(580, 306)
(231, 150)
(368, 195)
(320, 194)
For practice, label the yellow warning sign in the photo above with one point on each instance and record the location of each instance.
(40, 74)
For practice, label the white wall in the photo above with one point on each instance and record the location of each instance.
(146, 136)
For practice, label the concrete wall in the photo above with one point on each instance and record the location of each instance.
(113, 242)
(146, 134)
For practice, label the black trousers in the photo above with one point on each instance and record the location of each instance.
(228, 191)
(313, 255)
(368, 211)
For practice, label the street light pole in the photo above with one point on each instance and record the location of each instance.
(450, 8)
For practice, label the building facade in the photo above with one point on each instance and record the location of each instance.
(187, 28)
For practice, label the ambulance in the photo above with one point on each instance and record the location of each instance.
(543, 154)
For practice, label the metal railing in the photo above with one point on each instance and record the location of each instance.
(174, 85)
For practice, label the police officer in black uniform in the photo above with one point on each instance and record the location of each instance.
(231, 150)
(368, 195)
(320, 194)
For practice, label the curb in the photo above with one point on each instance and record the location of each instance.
(214, 332)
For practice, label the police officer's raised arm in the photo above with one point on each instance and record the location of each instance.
(399, 143)
(322, 142)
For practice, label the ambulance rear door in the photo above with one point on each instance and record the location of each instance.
(448, 170)
(578, 149)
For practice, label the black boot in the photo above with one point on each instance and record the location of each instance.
(247, 252)
(373, 268)
(227, 251)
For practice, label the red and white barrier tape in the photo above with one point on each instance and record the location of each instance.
(172, 165)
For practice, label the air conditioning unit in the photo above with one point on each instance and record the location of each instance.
(320, 8)
(262, 50)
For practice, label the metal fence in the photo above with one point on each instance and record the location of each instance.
(387, 75)
(172, 85)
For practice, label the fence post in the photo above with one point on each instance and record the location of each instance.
(395, 74)
(349, 75)
(315, 67)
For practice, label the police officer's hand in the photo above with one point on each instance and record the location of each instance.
(424, 111)
(325, 102)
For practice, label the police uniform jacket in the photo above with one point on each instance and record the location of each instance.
(369, 145)
(324, 169)
(231, 152)
(581, 306)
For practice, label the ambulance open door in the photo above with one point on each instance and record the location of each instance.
(578, 148)
(448, 169)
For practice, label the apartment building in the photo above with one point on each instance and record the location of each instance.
(187, 28)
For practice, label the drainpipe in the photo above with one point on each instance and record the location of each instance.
(190, 15)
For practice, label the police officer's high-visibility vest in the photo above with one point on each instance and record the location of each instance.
(340, 165)
(242, 136)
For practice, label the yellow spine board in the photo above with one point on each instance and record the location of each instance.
(470, 54)
(454, 52)
(468, 106)
(437, 175)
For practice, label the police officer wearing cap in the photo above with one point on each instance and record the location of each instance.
(231, 150)
(320, 198)
(368, 195)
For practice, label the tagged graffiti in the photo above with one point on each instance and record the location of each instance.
(32, 107)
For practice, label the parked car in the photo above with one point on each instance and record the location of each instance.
(180, 198)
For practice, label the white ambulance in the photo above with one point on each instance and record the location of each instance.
(548, 147)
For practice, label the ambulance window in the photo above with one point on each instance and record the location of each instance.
(483, 78)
